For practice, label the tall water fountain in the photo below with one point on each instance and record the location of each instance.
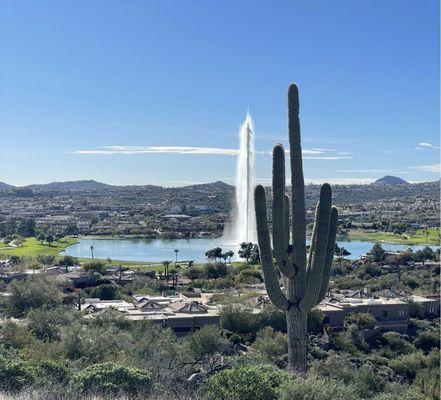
(242, 227)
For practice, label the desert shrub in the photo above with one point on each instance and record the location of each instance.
(368, 381)
(314, 388)
(428, 383)
(32, 293)
(407, 365)
(273, 317)
(343, 341)
(51, 372)
(361, 320)
(194, 272)
(350, 282)
(406, 394)
(45, 259)
(16, 335)
(46, 324)
(272, 345)
(215, 270)
(335, 366)
(427, 340)
(369, 270)
(223, 283)
(67, 261)
(105, 292)
(95, 266)
(111, 378)
(15, 374)
(315, 320)
(250, 276)
(245, 383)
(208, 340)
(396, 343)
(238, 320)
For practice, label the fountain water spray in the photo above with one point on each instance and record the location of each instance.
(243, 221)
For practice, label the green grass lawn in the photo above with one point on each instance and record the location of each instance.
(32, 247)
(420, 237)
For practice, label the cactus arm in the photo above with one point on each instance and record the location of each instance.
(297, 188)
(279, 240)
(311, 246)
(287, 233)
(329, 254)
(266, 257)
(320, 245)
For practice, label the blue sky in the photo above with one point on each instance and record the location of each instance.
(113, 90)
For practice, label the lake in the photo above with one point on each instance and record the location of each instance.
(189, 249)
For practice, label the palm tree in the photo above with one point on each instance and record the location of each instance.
(176, 254)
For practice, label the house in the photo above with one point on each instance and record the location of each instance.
(95, 304)
(81, 279)
(391, 314)
(28, 273)
(426, 307)
(178, 313)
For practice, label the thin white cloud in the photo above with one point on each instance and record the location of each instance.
(313, 154)
(435, 168)
(111, 150)
(327, 158)
(341, 181)
(319, 181)
(380, 171)
(426, 145)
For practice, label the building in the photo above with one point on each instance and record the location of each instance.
(179, 313)
(391, 314)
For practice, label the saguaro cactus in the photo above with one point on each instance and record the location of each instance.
(305, 279)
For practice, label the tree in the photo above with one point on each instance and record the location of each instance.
(246, 250)
(41, 237)
(341, 253)
(428, 253)
(105, 292)
(27, 227)
(306, 281)
(229, 254)
(58, 236)
(214, 254)
(255, 255)
(67, 261)
(49, 239)
(377, 253)
(95, 266)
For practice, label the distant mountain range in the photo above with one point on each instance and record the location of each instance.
(94, 185)
(390, 180)
(4, 185)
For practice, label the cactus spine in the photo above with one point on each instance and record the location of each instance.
(305, 279)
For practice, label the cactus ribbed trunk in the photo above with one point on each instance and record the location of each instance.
(296, 323)
(305, 280)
